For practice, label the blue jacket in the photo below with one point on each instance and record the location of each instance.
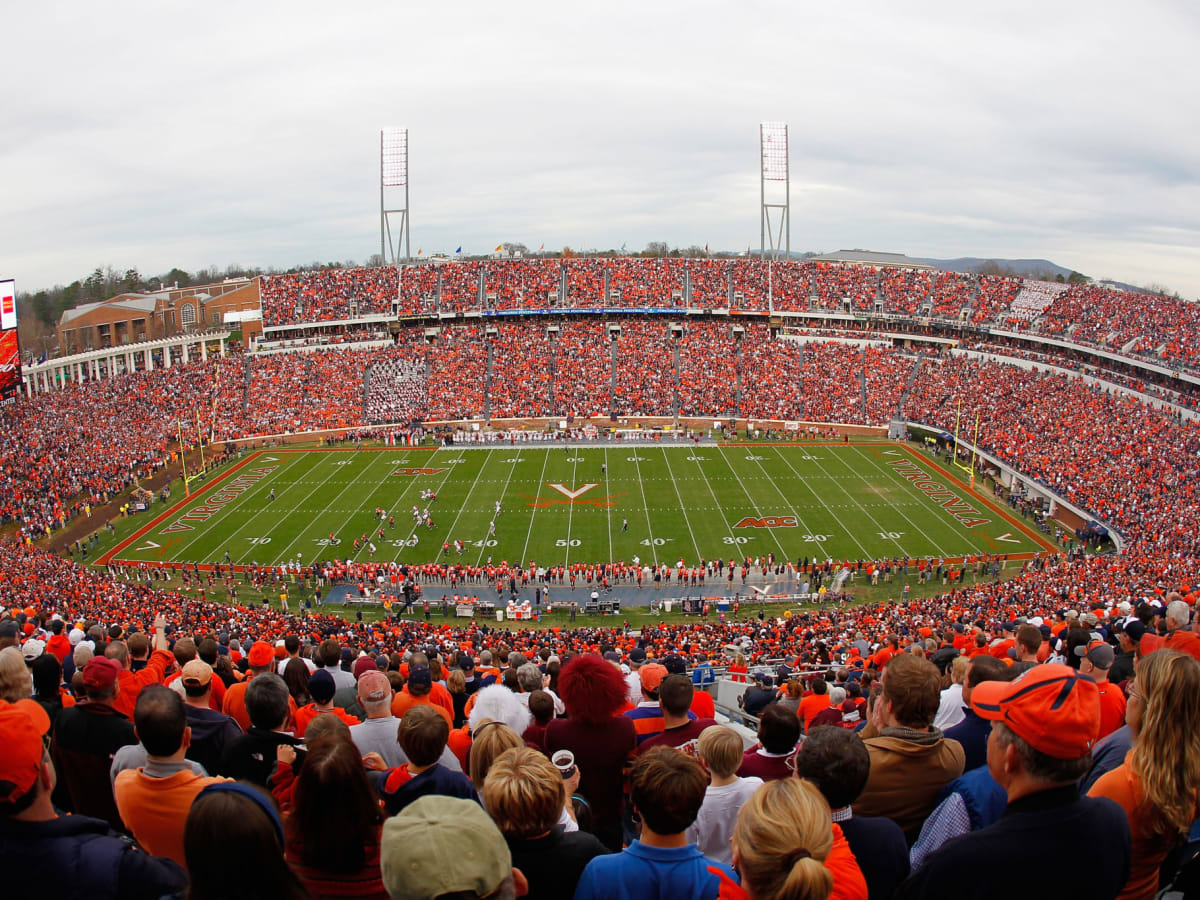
(651, 873)
(972, 732)
(77, 856)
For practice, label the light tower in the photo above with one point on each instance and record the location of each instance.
(393, 189)
(773, 144)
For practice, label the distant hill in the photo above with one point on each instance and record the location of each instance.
(1026, 268)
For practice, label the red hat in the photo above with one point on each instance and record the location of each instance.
(1051, 707)
(22, 726)
(261, 655)
(100, 673)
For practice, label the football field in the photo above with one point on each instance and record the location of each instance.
(531, 503)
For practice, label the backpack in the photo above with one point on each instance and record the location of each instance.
(1179, 877)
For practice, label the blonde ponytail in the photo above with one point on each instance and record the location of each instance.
(783, 835)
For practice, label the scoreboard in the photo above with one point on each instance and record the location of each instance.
(10, 352)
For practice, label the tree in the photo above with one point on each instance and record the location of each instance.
(1078, 278)
(43, 308)
(177, 276)
(514, 249)
(656, 248)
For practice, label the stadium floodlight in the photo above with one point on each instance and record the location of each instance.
(773, 152)
(393, 184)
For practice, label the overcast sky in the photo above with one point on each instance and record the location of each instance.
(187, 134)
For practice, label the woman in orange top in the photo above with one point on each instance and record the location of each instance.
(1158, 785)
(737, 670)
(785, 847)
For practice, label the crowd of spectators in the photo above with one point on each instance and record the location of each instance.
(382, 744)
(1148, 326)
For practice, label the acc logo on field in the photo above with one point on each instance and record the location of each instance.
(767, 522)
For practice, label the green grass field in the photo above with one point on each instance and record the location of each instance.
(580, 504)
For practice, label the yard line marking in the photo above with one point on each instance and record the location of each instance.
(799, 518)
(687, 520)
(533, 515)
(516, 461)
(262, 488)
(716, 503)
(645, 508)
(850, 496)
(911, 491)
(306, 531)
(753, 504)
(462, 506)
(608, 509)
(571, 509)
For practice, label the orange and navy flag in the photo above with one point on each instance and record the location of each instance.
(499, 247)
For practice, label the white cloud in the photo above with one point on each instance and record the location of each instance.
(165, 134)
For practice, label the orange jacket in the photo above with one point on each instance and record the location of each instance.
(133, 682)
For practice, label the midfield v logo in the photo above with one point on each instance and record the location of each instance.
(573, 495)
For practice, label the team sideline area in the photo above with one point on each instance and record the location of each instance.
(914, 557)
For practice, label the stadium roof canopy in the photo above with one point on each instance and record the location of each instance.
(872, 258)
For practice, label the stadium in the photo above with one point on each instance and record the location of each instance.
(748, 480)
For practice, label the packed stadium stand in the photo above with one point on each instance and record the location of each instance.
(1081, 389)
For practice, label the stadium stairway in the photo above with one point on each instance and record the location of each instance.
(908, 386)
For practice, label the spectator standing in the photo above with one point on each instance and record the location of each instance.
(252, 756)
(422, 737)
(524, 794)
(602, 741)
(720, 752)
(911, 761)
(972, 732)
(234, 837)
(212, 731)
(333, 831)
(787, 849)
(47, 855)
(774, 756)
(1158, 784)
(837, 762)
(154, 800)
(666, 792)
(422, 853)
(681, 729)
(1044, 725)
(86, 737)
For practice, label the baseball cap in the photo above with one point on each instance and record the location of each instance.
(196, 671)
(1135, 629)
(374, 686)
(100, 673)
(675, 665)
(32, 649)
(442, 845)
(652, 675)
(363, 665)
(321, 686)
(637, 655)
(1051, 707)
(261, 654)
(612, 656)
(419, 676)
(22, 726)
(1100, 654)
(9, 628)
